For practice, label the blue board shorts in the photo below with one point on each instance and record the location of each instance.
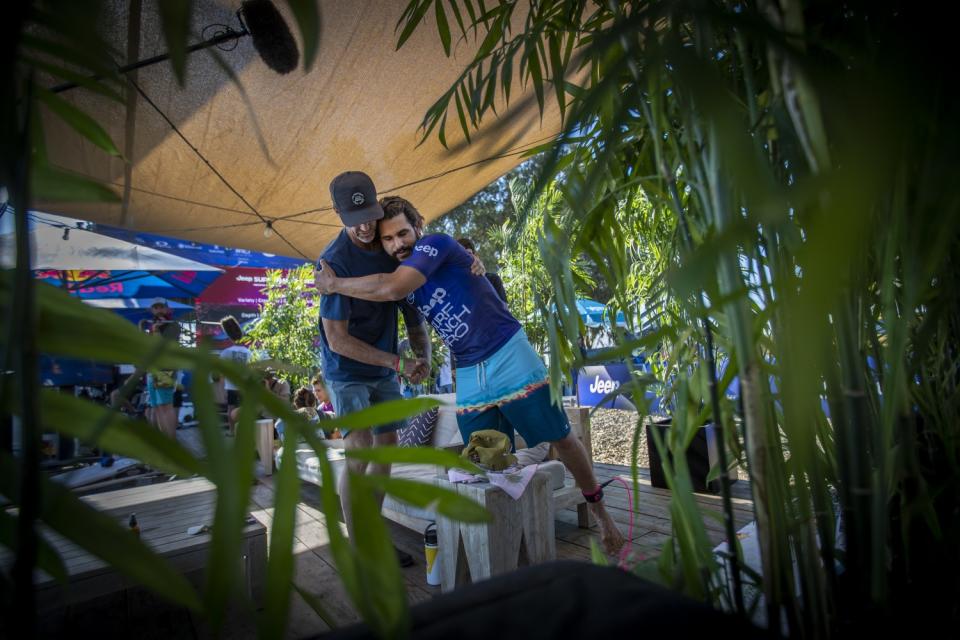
(350, 397)
(158, 396)
(510, 392)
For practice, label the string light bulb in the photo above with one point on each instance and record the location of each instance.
(268, 230)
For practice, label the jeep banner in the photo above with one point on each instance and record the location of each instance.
(595, 383)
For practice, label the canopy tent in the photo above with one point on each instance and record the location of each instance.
(591, 312)
(61, 244)
(359, 108)
(127, 285)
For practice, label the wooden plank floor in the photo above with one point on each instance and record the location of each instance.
(316, 571)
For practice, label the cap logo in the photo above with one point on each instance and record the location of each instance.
(358, 198)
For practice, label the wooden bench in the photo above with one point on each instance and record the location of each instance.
(565, 494)
(164, 511)
(520, 533)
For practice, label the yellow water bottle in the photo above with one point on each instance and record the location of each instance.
(431, 552)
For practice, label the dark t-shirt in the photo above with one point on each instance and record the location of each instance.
(167, 328)
(463, 308)
(372, 322)
(497, 283)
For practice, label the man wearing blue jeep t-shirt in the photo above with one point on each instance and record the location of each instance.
(501, 382)
(359, 338)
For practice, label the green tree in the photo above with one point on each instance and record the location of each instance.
(63, 39)
(528, 285)
(286, 330)
(481, 217)
(797, 158)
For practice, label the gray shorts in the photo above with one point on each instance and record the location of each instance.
(350, 397)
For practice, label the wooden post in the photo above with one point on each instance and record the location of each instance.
(265, 444)
(521, 532)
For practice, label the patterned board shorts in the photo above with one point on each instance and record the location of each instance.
(510, 392)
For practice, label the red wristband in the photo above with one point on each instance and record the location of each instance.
(396, 365)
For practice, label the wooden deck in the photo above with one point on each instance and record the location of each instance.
(316, 572)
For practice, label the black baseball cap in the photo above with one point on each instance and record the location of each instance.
(355, 198)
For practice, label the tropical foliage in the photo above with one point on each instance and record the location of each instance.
(286, 329)
(51, 40)
(797, 158)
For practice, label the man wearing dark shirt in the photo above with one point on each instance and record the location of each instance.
(359, 338)
(494, 279)
(501, 382)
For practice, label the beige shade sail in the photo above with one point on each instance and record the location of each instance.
(359, 108)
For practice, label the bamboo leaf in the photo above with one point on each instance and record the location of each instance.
(443, 27)
(536, 77)
(102, 536)
(468, 4)
(490, 41)
(379, 569)
(67, 74)
(118, 434)
(62, 51)
(280, 566)
(597, 556)
(307, 15)
(463, 119)
(414, 455)
(455, 7)
(413, 20)
(175, 20)
(47, 183)
(251, 112)
(343, 555)
(426, 496)
(78, 121)
(382, 413)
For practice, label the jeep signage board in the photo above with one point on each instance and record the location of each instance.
(596, 382)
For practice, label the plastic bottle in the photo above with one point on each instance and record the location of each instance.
(431, 552)
(134, 525)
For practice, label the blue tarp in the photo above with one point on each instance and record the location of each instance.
(211, 254)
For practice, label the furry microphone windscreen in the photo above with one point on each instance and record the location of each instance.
(232, 328)
(271, 36)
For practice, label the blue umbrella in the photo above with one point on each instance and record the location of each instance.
(591, 312)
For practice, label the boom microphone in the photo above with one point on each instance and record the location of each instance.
(271, 36)
(258, 19)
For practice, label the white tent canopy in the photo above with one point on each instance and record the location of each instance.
(57, 243)
(359, 108)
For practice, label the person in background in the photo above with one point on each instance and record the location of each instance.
(162, 383)
(494, 279)
(304, 403)
(324, 406)
(322, 395)
(236, 353)
(445, 375)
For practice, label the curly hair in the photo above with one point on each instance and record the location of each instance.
(304, 398)
(393, 206)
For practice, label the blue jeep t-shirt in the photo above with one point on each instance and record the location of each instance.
(372, 322)
(464, 309)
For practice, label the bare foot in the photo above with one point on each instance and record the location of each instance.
(611, 539)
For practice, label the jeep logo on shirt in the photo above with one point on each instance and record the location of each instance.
(427, 249)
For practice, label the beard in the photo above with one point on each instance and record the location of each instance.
(403, 253)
